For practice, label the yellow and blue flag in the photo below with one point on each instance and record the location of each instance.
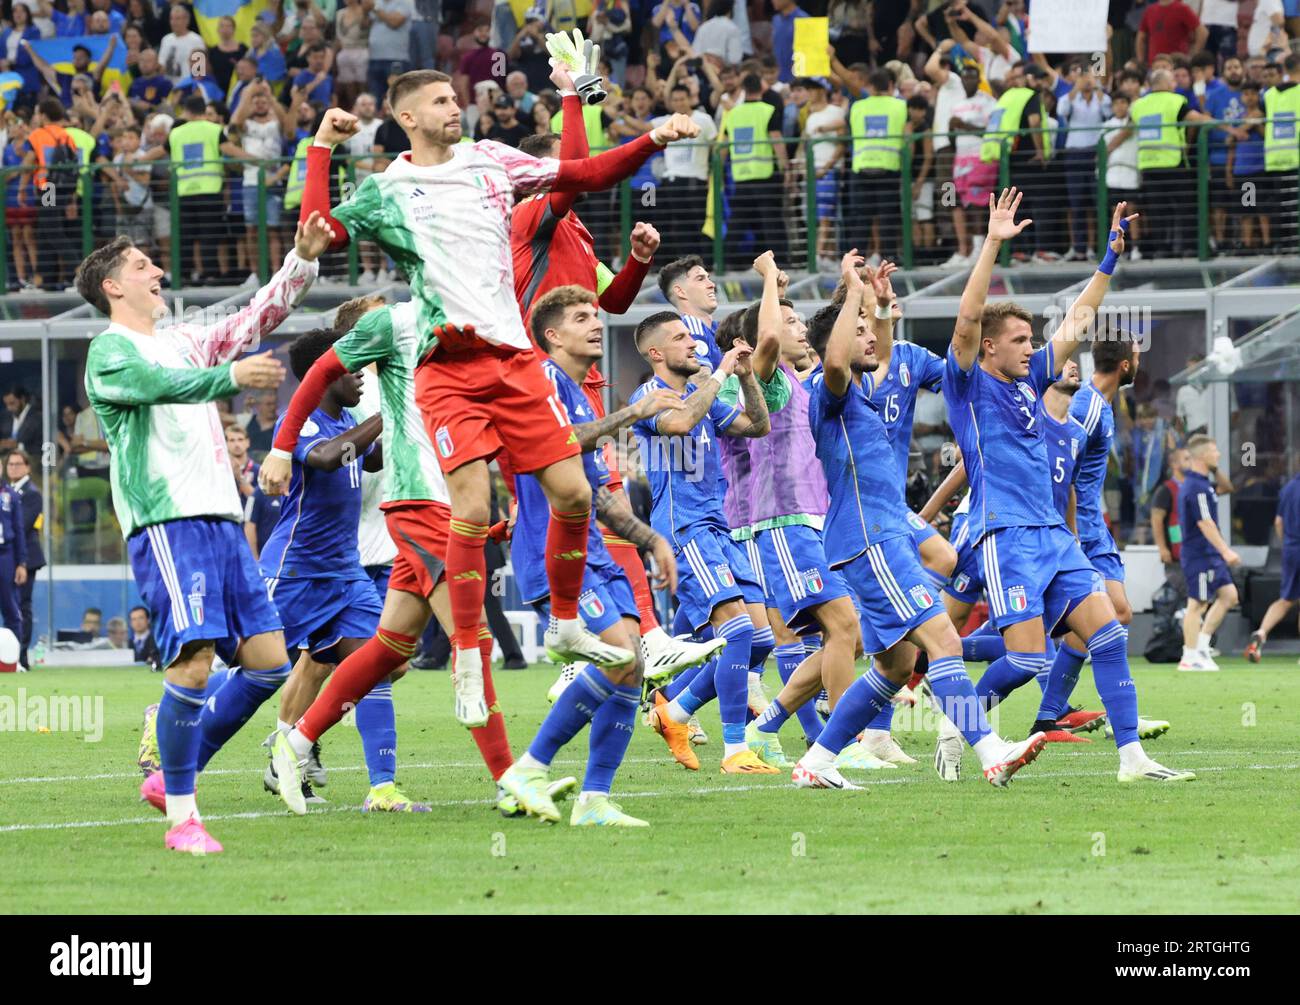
(10, 84)
(58, 53)
(208, 12)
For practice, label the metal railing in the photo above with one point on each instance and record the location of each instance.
(243, 228)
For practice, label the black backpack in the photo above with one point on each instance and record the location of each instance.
(1166, 643)
(63, 171)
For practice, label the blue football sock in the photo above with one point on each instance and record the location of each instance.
(773, 717)
(571, 711)
(761, 648)
(216, 680)
(1005, 675)
(1108, 648)
(811, 643)
(611, 732)
(178, 736)
(732, 677)
(228, 709)
(859, 704)
(788, 658)
(682, 681)
(957, 697)
(1062, 678)
(377, 724)
(984, 645)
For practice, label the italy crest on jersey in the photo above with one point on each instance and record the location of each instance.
(812, 578)
(196, 607)
(961, 583)
(921, 597)
(915, 521)
(1026, 390)
(592, 605)
(904, 375)
(724, 575)
(444, 441)
(1016, 599)
(1074, 450)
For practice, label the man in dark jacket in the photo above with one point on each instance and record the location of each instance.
(18, 472)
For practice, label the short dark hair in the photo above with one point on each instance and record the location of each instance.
(91, 610)
(549, 310)
(1250, 85)
(99, 265)
(307, 348)
(671, 273)
(752, 83)
(918, 101)
(51, 108)
(139, 607)
(739, 324)
(1110, 349)
(681, 87)
(995, 317)
(651, 325)
(19, 391)
(881, 80)
(539, 144)
(410, 82)
(21, 454)
(1204, 59)
(196, 103)
(352, 311)
(820, 326)
(1292, 64)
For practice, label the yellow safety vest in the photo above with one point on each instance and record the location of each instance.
(1281, 152)
(595, 127)
(877, 125)
(750, 150)
(196, 157)
(1049, 137)
(1161, 140)
(85, 149)
(297, 175)
(1003, 122)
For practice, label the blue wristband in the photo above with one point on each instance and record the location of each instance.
(1108, 263)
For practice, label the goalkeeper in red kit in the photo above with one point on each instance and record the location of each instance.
(552, 248)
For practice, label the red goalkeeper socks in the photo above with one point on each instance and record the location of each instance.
(566, 559)
(353, 679)
(466, 579)
(493, 743)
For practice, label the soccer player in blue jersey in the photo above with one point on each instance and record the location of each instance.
(717, 587)
(691, 292)
(1206, 558)
(566, 324)
(1039, 582)
(869, 541)
(1287, 526)
(313, 570)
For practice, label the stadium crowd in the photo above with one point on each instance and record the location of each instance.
(201, 140)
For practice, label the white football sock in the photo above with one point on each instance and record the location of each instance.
(300, 744)
(991, 750)
(283, 727)
(181, 808)
(527, 760)
(1131, 755)
(732, 748)
(1203, 642)
(676, 713)
(818, 758)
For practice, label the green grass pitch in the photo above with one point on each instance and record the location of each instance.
(1064, 838)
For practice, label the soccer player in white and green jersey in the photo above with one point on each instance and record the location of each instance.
(153, 389)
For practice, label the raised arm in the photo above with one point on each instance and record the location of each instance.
(949, 487)
(42, 65)
(619, 295)
(116, 374)
(603, 170)
(770, 323)
(335, 128)
(573, 143)
(841, 347)
(1002, 226)
(1079, 320)
(270, 305)
(882, 311)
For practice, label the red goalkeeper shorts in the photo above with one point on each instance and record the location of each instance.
(419, 529)
(479, 401)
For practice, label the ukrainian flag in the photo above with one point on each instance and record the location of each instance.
(58, 53)
(10, 84)
(208, 12)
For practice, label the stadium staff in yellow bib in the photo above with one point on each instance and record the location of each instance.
(878, 124)
(751, 139)
(1282, 148)
(1167, 183)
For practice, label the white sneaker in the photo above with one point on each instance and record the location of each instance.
(1213, 653)
(957, 261)
(856, 757)
(825, 778)
(366, 278)
(569, 641)
(1148, 729)
(947, 752)
(881, 744)
(697, 736)
(1197, 662)
(665, 657)
(568, 674)
(1150, 771)
(288, 772)
(1072, 256)
(822, 706)
(253, 278)
(1135, 255)
(467, 684)
(1017, 756)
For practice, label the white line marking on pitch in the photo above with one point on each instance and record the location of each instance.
(707, 790)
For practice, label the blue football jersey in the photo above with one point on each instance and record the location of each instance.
(684, 472)
(1197, 500)
(533, 513)
(911, 367)
(867, 502)
(1065, 441)
(1288, 508)
(706, 345)
(316, 535)
(1094, 413)
(999, 427)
